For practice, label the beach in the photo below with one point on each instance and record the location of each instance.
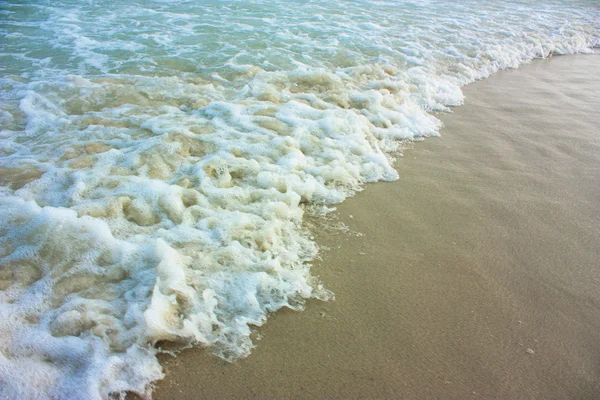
(475, 275)
(261, 189)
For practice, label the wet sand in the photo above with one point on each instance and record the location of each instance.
(477, 274)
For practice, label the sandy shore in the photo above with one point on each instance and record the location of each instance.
(477, 274)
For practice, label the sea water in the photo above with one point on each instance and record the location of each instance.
(157, 159)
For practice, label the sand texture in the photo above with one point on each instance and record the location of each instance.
(476, 275)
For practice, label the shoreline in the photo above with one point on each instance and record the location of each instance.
(476, 276)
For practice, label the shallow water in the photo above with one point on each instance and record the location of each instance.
(157, 159)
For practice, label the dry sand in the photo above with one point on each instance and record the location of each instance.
(478, 275)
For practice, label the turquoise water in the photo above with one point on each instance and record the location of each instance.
(157, 159)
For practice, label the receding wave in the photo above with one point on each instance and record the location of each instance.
(157, 158)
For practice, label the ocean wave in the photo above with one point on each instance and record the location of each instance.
(157, 160)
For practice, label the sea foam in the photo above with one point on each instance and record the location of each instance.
(156, 161)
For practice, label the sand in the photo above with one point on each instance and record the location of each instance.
(477, 274)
